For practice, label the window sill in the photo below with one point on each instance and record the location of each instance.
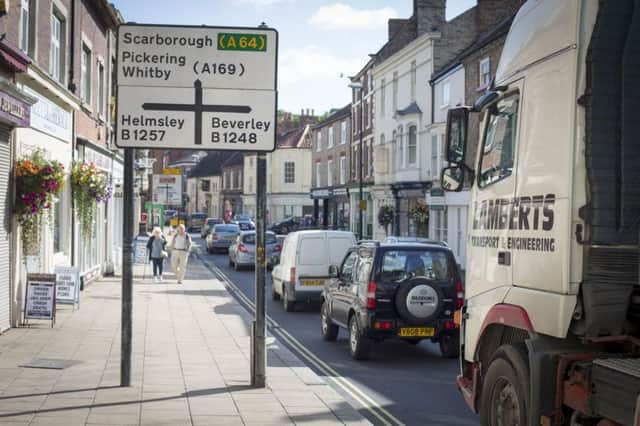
(445, 106)
(482, 88)
(86, 107)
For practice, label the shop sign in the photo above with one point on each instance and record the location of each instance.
(13, 110)
(436, 199)
(101, 161)
(49, 117)
(40, 297)
(167, 189)
(171, 171)
(321, 193)
(67, 285)
(341, 191)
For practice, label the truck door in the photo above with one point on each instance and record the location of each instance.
(490, 262)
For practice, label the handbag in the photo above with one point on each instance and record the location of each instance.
(164, 254)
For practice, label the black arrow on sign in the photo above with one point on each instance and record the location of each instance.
(198, 108)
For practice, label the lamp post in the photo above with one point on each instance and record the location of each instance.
(357, 85)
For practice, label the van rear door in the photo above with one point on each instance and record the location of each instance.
(312, 264)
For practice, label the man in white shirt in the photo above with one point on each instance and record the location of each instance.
(180, 247)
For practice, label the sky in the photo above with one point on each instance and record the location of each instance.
(321, 41)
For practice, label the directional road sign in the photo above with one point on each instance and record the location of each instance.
(196, 87)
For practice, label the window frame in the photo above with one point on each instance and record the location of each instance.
(446, 93)
(483, 83)
(85, 73)
(319, 141)
(415, 145)
(382, 96)
(330, 137)
(330, 172)
(25, 26)
(56, 67)
(101, 98)
(481, 155)
(289, 173)
(395, 91)
(343, 132)
(413, 72)
(343, 169)
(318, 174)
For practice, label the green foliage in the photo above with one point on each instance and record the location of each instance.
(89, 188)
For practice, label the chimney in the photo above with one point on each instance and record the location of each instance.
(395, 25)
(430, 15)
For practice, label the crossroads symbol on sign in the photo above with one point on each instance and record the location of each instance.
(198, 108)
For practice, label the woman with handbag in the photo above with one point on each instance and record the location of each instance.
(156, 246)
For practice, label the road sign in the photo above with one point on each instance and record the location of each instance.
(167, 189)
(196, 87)
(171, 171)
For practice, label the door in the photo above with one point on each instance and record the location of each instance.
(495, 210)
(5, 227)
(339, 300)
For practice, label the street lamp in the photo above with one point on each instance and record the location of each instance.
(357, 85)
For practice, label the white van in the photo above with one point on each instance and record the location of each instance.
(304, 264)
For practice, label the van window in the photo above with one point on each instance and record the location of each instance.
(499, 145)
(313, 251)
(337, 249)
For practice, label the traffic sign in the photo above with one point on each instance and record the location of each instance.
(196, 87)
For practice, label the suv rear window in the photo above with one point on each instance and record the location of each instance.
(433, 264)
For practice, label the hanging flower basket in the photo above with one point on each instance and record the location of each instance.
(420, 214)
(38, 183)
(89, 187)
(386, 216)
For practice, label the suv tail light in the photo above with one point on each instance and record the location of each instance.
(277, 248)
(242, 248)
(292, 275)
(371, 295)
(459, 295)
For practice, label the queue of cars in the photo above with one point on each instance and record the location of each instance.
(404, 288)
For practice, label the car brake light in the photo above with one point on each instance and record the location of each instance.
(459, 295)
(277, 249)
(292, 275)
(242, 248)
(382, 325)
(450, 325)
(371, 295)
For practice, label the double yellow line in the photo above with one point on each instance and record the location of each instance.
(376, 410)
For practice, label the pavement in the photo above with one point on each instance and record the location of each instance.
(190, 364)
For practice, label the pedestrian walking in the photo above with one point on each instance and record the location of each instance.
(156, 247)
(180, 248)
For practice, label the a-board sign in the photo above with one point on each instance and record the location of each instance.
(40, 298)
(196, 87)
(67, 284)
(140, 250)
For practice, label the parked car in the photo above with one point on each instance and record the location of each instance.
(383, 291)
(196, 221)
(402, 240)
(304, 264)
(208, 226)
(293, 224)
(221, 237)
(242, 250)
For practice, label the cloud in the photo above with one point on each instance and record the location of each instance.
(340, 16)
(312, 64)
(258, 3)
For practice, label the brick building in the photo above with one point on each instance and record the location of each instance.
(330, 159)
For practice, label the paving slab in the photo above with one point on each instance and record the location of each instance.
(190, 364)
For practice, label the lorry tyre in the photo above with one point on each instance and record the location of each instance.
(450, 345)
(328, 328)
(288, 305)
(359, 345)
(505, 388)
(419, 301)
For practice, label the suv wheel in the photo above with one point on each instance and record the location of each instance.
(419, 301)
(450, 345)
(359, 345)
(329, 329)
(289, 305)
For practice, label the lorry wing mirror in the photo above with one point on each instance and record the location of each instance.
(452, 178)
(333, 271)
(457, 121)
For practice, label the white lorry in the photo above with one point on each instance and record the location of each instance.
(550, 329)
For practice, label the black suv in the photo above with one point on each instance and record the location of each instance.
(382, 291)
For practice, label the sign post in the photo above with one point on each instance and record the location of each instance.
(202, 88)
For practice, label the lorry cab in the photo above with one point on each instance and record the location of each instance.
(552, 250)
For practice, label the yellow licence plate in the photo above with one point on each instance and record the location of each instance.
(417, 332)
(312, 282)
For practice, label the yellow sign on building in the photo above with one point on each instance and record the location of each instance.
(171, 171)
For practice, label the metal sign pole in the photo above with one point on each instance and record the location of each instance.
(258, 342)
(127, 272)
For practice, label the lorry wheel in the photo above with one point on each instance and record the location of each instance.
(505, 389)
(329, 329)
(449, 345)
(287, 304)
(359, 345)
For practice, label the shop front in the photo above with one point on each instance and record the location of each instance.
(15, 111)
(409, 196)
(320, 197)
(340, 210)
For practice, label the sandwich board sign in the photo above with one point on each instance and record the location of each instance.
(196, 87)
(40, 300)
(67, 285)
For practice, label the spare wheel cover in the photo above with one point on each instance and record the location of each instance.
(422, 301)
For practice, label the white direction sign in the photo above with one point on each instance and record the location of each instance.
(196, 87)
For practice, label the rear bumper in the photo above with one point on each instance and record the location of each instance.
(368, 321)
(309, 295)
(220, 244)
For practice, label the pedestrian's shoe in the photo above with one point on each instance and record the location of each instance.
(179, 281)
(160, 279)
(155, 279)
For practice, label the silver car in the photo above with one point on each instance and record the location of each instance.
(221, 237)
(242, 251)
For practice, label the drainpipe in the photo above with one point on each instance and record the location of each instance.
(72, 48)
(72, 88)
